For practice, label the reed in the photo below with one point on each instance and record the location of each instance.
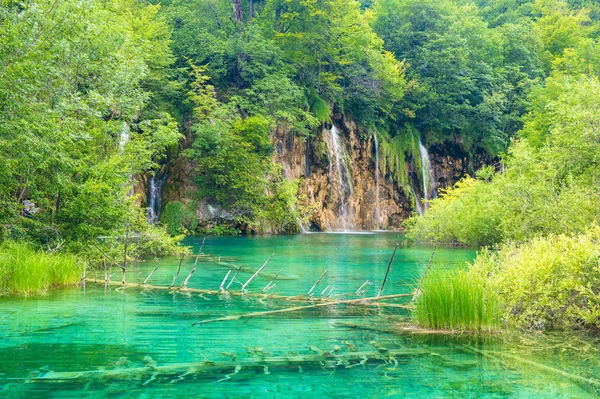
(25, 270)
(457, 300)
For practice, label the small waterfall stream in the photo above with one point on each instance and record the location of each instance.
(377, 208)
(124, 137)
(154, 197)
(338, 170)
(426, 171)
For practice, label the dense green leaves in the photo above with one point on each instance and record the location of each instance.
(75, 120)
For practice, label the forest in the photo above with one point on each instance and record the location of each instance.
(100, 100)
(415, 181)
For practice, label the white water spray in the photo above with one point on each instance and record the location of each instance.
(124, 137)
(154, 198)
(337, 169)
(377, 209)
(427, 176)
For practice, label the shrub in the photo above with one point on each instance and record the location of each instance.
(457, 300)
(549, 282)
(179, 218)
(25, 270)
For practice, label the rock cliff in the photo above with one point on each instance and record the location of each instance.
(340, 180)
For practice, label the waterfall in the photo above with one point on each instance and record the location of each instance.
(124, 137)
(377, 209)
(426, 173)
(417, 202)
(337, 169)
(154, 197)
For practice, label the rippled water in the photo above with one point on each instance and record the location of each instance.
(136, 343)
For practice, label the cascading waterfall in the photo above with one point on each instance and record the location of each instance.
(336, 161)
(377, 209)
(426, 173)
(154, 197)
(417, 202)
(124, 137)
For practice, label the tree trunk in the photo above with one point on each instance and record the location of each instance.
(237, 11)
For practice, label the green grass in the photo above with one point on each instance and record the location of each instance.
(457, 300)
(25, 270)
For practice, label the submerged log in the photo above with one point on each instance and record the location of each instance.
(496, 355)
(322, 359)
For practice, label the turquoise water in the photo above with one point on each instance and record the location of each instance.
(110, 342)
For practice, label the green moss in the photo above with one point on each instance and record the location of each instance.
(180, 218)
(393, 153)
(318, 107)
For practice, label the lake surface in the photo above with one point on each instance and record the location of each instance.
(110, 342)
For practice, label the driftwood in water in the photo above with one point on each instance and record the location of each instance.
(187, 279)
(297, 308)
(270, 284)
(200, 291)
(233, 278)
(150, 275)
(224, 280)
(178, 270)
(418, 290)
(330, 359)
(387, 271)
(256, 274)
(360, 290)
(317, 283)
(495, 355)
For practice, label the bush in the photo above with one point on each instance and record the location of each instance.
(179, 218)
(25, 270)
(457, 300)
(466, 214)
(550, 282)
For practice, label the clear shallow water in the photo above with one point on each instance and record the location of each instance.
(102, 330)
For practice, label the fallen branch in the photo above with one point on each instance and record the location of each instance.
(187, 279)
(269, 286)
(297, 308)
(150, 275)
(387, 271)
(233, 278)
(256, 274)
(317, 283)
(178, 270)
(418, 290)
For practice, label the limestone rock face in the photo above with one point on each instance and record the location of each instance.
(338, 179)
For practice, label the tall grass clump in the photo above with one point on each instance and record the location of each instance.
(25, 270)
(457, 300)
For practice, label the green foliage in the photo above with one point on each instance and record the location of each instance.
(548, 188)
(284, 209)
(466, 85)
(77, 117)
(180, 218)
(549, 282)
(25, 270)
(457, 300)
